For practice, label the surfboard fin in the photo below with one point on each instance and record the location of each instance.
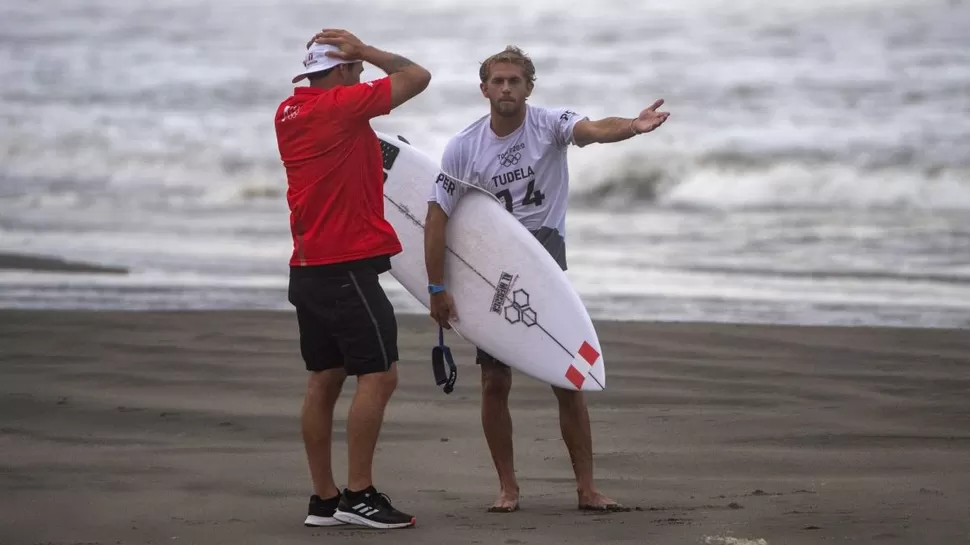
(440, 355)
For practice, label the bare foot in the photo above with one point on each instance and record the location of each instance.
(595, 501)
(507, 502)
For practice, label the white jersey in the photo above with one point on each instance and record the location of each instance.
(526, 170)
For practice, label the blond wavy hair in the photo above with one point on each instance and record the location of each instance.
(511, 54)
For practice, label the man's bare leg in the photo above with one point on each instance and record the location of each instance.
(364, 425)
(323, 390)
(576, 433)
(497, 424)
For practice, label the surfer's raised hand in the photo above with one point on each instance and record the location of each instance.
(350, 47)
(649, 119)
(443, 309)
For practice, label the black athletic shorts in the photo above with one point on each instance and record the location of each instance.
(344, 316)
(481, 355)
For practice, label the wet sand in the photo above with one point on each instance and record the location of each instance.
(183, 428)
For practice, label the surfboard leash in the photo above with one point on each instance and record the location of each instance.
(440, 355)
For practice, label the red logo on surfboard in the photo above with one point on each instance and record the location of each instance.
(576, 374)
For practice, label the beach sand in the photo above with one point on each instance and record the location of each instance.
(120, 428)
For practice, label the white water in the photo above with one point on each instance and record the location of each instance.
(814, 168)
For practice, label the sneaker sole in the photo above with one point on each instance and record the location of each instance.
(351, 518)
(313, 520)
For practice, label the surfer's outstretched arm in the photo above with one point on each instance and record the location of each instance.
(617, 129)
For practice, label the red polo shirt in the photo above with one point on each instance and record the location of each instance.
(334, 172)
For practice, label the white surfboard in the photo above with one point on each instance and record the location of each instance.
(512, 299)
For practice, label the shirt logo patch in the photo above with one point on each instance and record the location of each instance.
(290, 112)
(511, 156)
(511, 159)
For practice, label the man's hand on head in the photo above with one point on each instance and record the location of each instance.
(350, 48)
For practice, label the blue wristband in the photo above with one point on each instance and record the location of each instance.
(435, 288)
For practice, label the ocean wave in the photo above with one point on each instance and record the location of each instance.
(717, 180)
(139, 116)
(731, 181)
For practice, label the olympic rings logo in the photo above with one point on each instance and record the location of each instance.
(511, 159)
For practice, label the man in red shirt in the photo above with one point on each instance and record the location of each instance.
(341, 243)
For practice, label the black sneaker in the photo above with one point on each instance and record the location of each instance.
(370, 508)
(320, 511)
